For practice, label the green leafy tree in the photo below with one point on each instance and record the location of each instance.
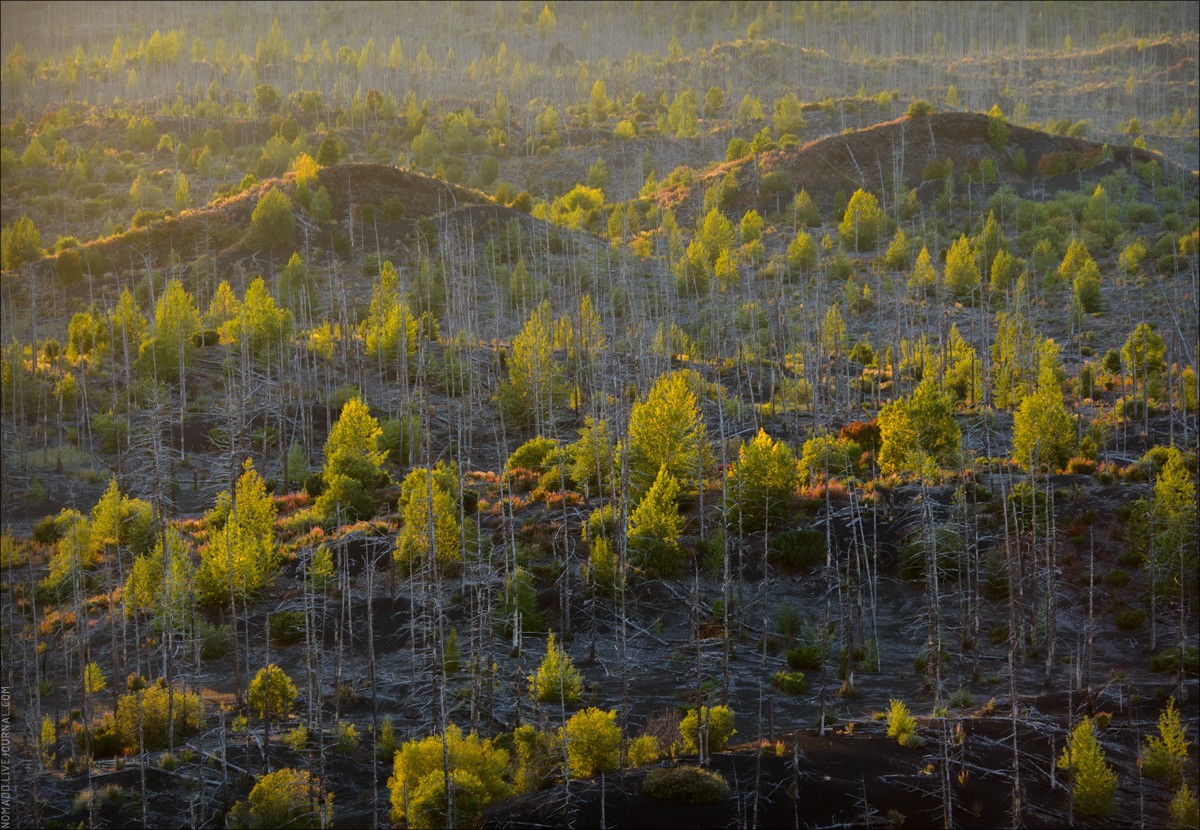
(1093, 782)
(681, 116)
(825, 456)
(923, 280)
(1144, 357)
(593, 742)
(121, 522)
(478, 772)
(802, 254)
(1185, 809)
(919, 433)
(1073, 262)
(1004, 271)
(176, 322)
(431, 524)
(716, 235)
(655, 527)
(713, 726)
(21, 243)
(760, 486)
(297, 288)
(667, 429)
(535, 375)
(94, 681)
(862, 222)
(900, 723)
(1014, 352)
(997, 128)
(962, 274)
(74, 553)
(1086, 288)
(352, 453)
(1169, 524)
(1132, 256)
(592, 458)
(557, 680)
(224, 307)
(272, 224)
(183, 193)
(598, 105)
(1165, 756)
(242, 553)
(330, 152)
(960, 369)
(261, 326)
(271, 693)
(751, 227)
(35, 155)
(390, 330)
(285, 798)
(152, 587)
(143, 721)
(47, 740)
(1043, 431)
(787, 116)
(127, 329)
(714, 102)
(899, 252)
(805, 211)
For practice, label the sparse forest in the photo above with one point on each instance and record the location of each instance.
(518, 414)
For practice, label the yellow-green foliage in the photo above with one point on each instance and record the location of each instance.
(121, 521)
(900, 722)
(1093, 782)
(353, 445)
(862, 222)
(94, 680)
(1043, 430)
(534, 373)
(537, 758)
(643, 750)
(477, 771)
(655, 526)
(284, 798)
(391, 331)
(73, 553)
(46, 739)
(243, 553)
(272, 224)
(429, 509)
(1185, 809)
(1164, 757)
(761, 484)
(557, 680)
(825, 457)
(593, 742)
(667, 428)
(719, 723)
(151, 588)
(962, 274)
(149, 708)
(919, 433)
(271, 693)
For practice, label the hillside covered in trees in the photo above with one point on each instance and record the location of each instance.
(511, 414)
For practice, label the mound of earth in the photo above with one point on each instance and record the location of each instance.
(899, 151)
(388, 200)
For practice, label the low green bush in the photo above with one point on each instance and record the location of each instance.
(686, 785)
(792, 682)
